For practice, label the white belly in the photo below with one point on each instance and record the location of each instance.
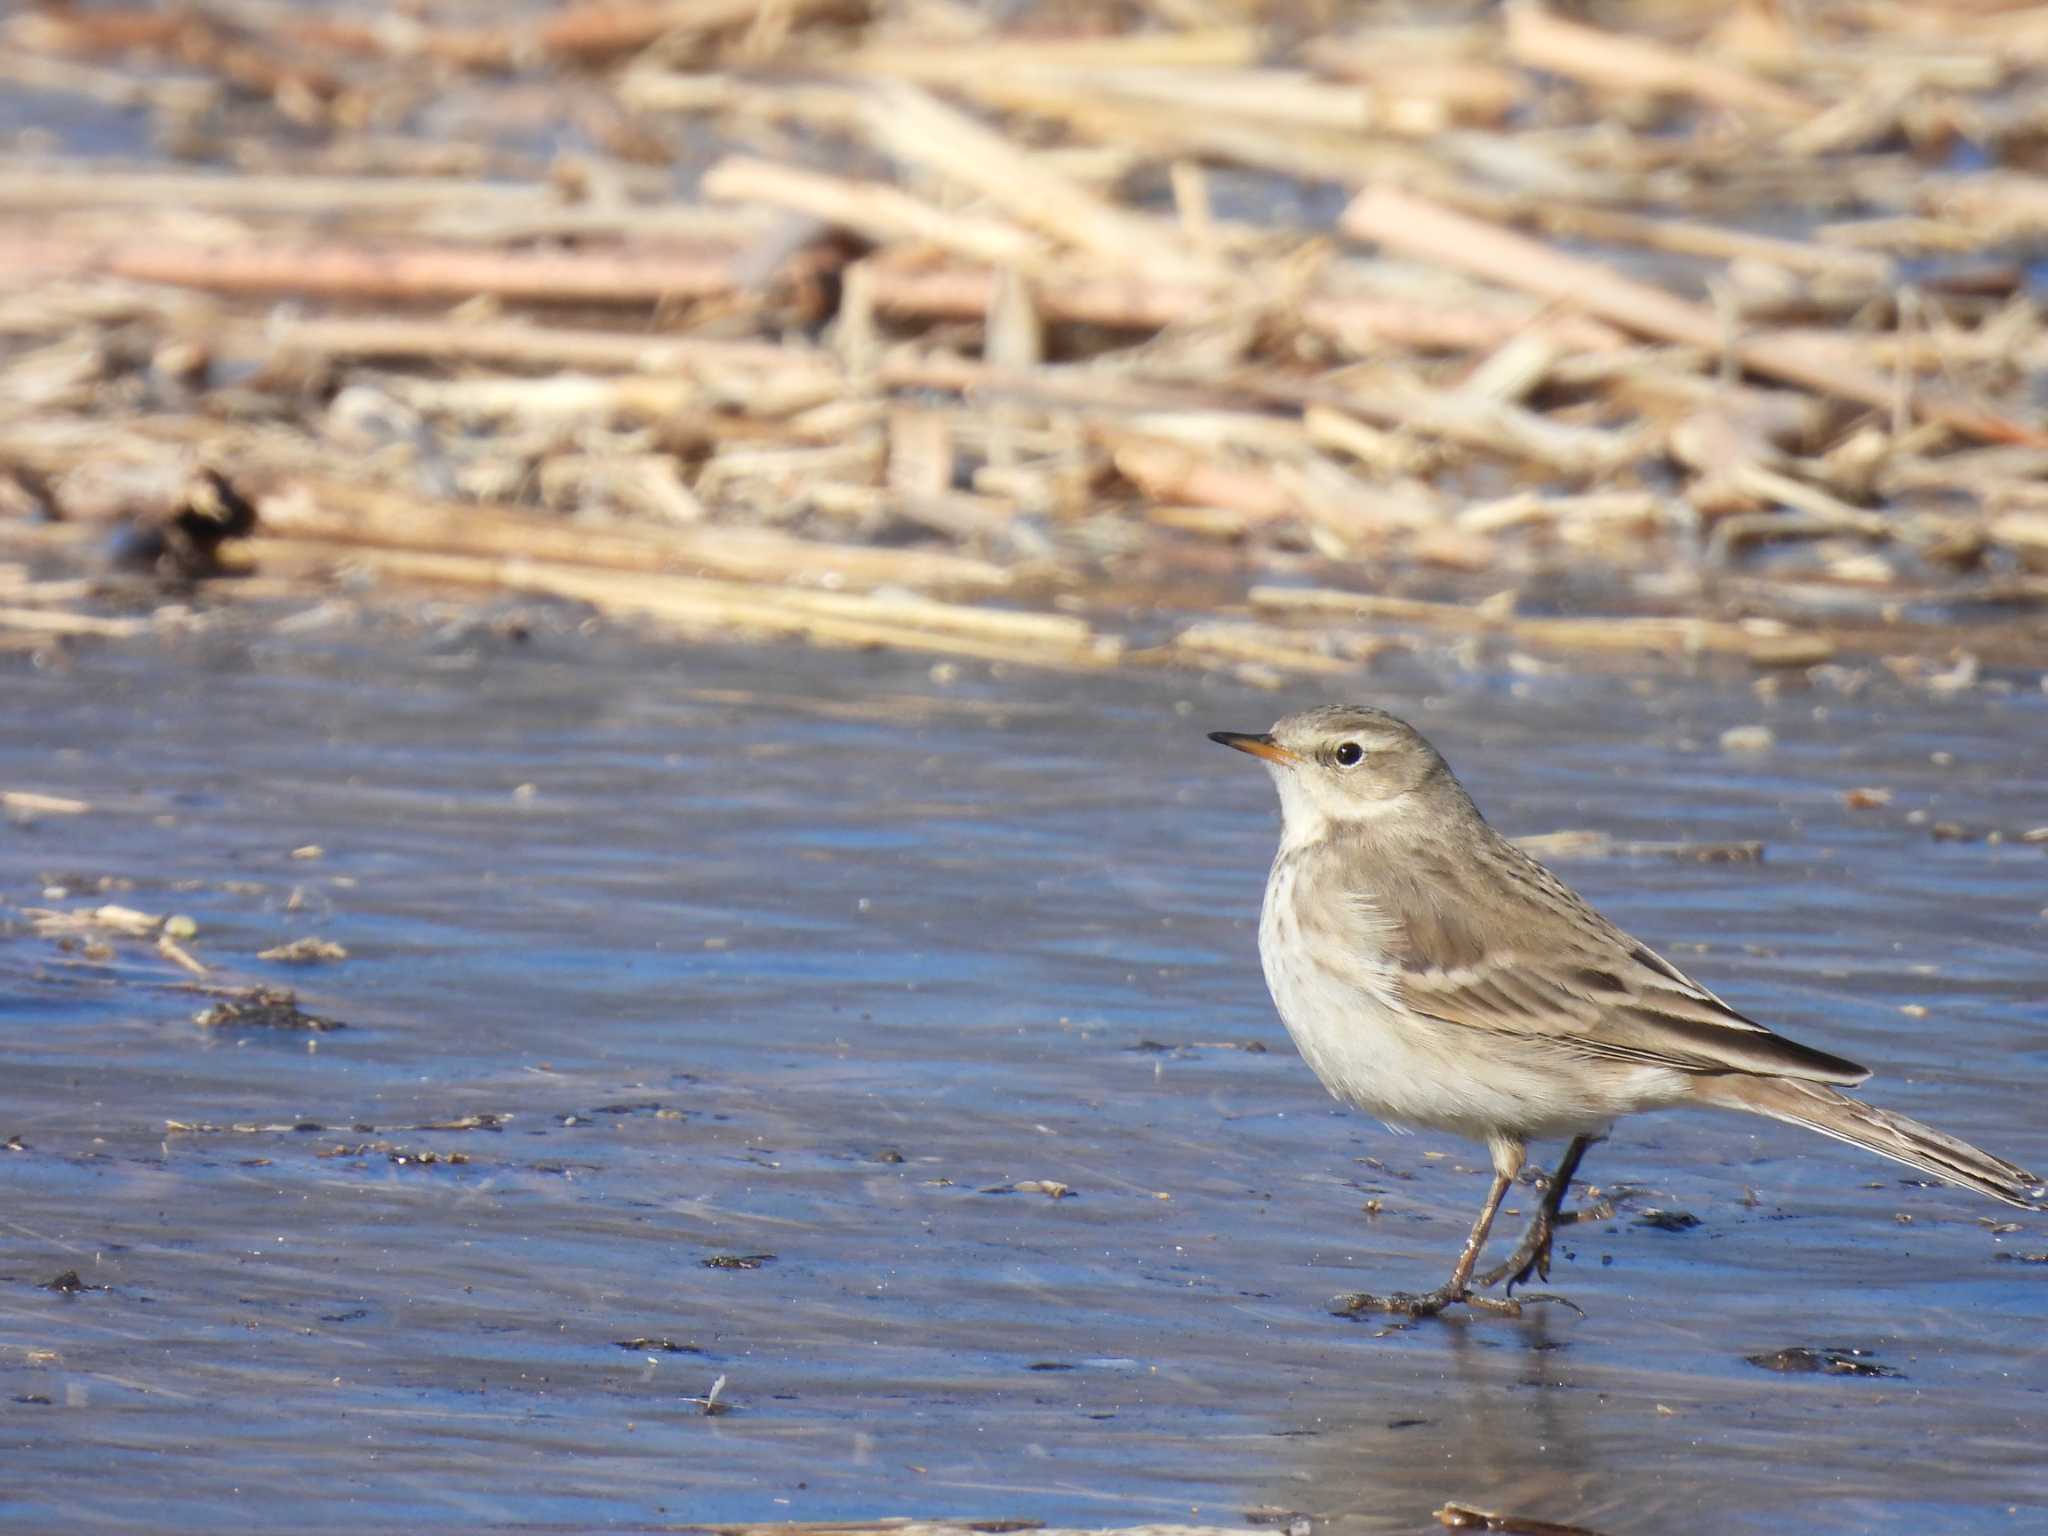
(1342, 1006)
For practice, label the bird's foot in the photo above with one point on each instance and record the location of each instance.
(1420, 1304)
(1532, 1254)
(1528, 1297)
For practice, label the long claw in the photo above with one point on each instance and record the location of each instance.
(1531, 1256)
(1502, 1307)
(1549, 1296)
(1423, 1304)
(1400, 1303)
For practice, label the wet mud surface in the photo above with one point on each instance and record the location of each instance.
(884, 1067)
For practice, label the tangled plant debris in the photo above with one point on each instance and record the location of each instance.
(1004, 334)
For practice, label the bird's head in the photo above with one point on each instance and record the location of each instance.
(1344, 763)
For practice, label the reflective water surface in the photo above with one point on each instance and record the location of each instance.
(696, 958)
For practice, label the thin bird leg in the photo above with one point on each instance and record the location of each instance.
(1507, 1162)
(1532, 1254)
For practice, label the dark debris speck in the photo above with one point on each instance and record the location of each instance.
(738, 1260)
(1668, 1221)
(485, 1121)
(264, 1008)
(1802, 1360)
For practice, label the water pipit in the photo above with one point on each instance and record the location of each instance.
(1433, 974)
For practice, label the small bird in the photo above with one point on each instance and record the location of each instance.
(1434, 974)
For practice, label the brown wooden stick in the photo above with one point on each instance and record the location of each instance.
(672, 362)
(881, 212)
(98, 31)
(949, 64)
(919, 129)
(247, 58)
(1402, 221)
(1169, 471)
(586, 33)
(342, 513)
(722, 610)
(1609, 61)
(1767, 644)
(1145, 302)
(28, 186)
(592, 32)
(1710, 240)
(513, 345)
(57, 621)
(400, 272)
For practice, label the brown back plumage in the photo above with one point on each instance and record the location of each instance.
(1487, 937)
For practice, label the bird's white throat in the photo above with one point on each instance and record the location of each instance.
(1307, 817)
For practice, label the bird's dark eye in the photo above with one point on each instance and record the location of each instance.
(1348, 753)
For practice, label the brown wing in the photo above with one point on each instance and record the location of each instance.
(1628, 1011)
(1554, 967)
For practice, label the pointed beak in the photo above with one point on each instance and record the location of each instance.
(1261, 745)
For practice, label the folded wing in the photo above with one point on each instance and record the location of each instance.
(1553, 967)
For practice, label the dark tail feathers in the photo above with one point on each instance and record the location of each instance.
(1833, 1113)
